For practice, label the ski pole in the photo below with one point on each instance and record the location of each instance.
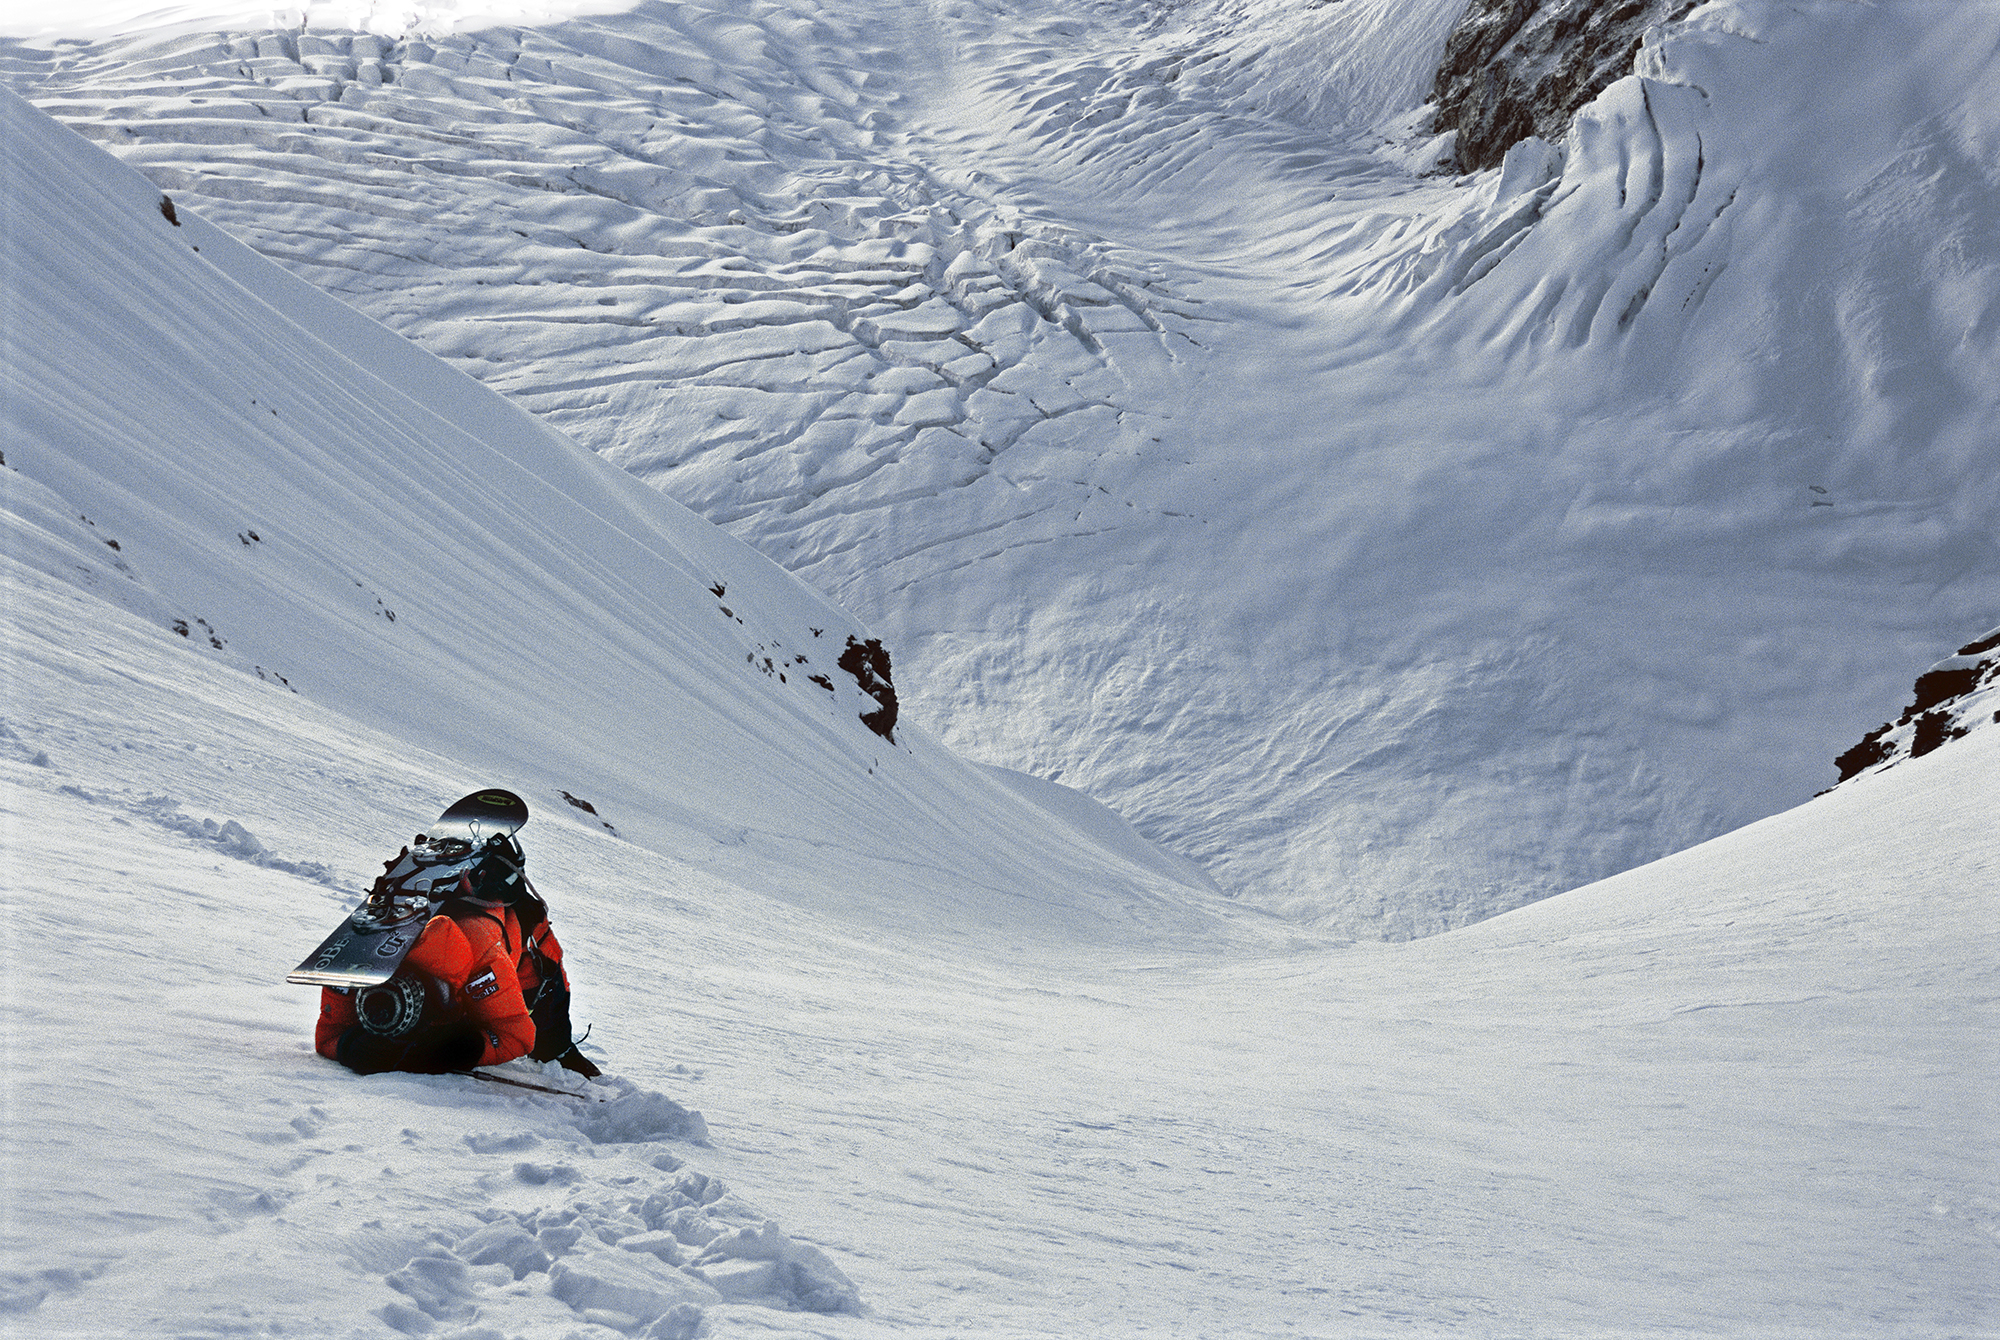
(523, 1084)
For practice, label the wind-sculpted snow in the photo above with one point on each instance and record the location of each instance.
(280, 486)
(897, 1047)
(688, 240)
(1400, 547)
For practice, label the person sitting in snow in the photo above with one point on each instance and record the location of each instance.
(484, 983)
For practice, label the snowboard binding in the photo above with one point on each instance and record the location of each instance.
(369, 944)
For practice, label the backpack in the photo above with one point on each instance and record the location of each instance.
(501, 877)
(496, 872)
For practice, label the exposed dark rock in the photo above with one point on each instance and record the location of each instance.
(1953, 697)
(1933, 729)
(1937, 686)
(580, 803)
(1980, 646)
(868, 662)
(1515, 68)
(1867, 754)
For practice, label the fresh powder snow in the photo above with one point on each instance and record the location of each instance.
(1392, 548)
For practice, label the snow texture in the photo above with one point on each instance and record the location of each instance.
(1533, 565)
(1399, 548)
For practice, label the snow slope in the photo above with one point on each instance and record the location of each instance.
(309, 498)
(264, 556)
(1399, 548)
(1747, 1090)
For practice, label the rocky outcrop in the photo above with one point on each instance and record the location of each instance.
(1954, 696)
(1515, 68)
(868, 662)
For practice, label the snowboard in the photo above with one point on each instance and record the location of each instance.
(479, 818)
(368, 945)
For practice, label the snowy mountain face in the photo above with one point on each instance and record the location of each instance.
(276, 581)
(1400, 548)
(899, 1046)
(274, 483)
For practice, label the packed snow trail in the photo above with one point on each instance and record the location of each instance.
(1472, 538)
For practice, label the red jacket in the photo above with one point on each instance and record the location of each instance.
(479, 976)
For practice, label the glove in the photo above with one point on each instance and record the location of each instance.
(577, 1061)
(432, 1051)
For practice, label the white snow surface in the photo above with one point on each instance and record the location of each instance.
(315, 501)
(1398, 548)
(100, 18)
(897, 1045)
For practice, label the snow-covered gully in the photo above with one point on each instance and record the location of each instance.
(1394, 549)
(1182, 439)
